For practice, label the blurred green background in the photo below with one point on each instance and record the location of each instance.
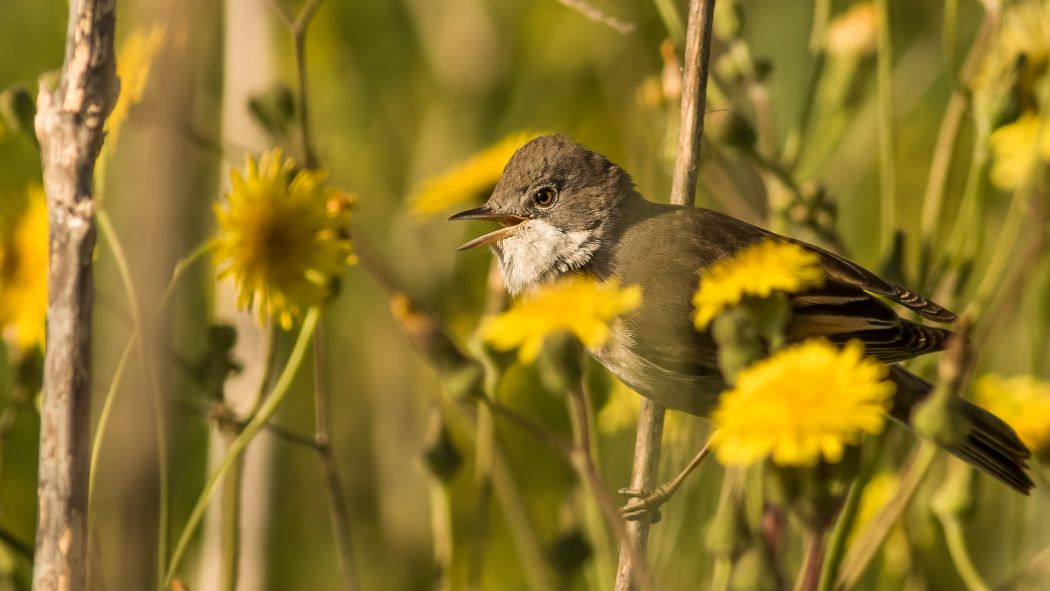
(400, 90)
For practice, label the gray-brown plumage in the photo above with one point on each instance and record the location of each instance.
(567, 209)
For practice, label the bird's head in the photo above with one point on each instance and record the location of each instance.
(556, 202)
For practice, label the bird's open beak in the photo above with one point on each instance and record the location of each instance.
(509, 222)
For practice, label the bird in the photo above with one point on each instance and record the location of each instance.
(565, 209)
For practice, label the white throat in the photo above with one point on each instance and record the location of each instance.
(539, 252)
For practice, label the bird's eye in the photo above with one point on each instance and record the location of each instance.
(544, 197)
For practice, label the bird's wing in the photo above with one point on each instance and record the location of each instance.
(841, 312)
(844, 271)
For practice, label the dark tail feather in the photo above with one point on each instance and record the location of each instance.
(991, 446)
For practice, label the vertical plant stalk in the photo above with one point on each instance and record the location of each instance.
(887, 126)
(69, 123)
(813, 561)
(683, 189)
(337, 510)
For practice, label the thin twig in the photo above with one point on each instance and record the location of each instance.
(336, 496)
(651, 415)
(69, 126)
(592, 13)
(588, 472)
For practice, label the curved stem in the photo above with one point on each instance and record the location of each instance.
(181, 267)
(837, 542)
(953, 534)
(110, 235)
(103, 418)
(240, 444)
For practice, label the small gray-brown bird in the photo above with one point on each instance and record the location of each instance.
(567, 209)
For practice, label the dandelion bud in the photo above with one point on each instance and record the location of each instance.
(441, 457)
(731, 128)
(738, 342)
(273, 109)
(940, 417)
(17, 110)
(569, 551)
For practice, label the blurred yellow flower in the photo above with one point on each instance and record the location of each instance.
(756, 271)
(803, 404)
(577, 304)
(1023, 402)
(852, 33)
(1016, 148)
(474, 176)
(23, 273)
(283, 237)
(134, 60)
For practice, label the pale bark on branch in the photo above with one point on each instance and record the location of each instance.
(683, 188)
(69, 124)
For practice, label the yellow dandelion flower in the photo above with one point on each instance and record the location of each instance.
(134, 61)
(23, 273)
(804, 403)
(1023, 402)
(475, 176)
(577, 304)
(283, 237)
(1016, 149)
(756, 271)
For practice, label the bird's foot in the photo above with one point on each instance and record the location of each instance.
(645, 504)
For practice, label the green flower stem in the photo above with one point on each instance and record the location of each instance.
(103, 418)
(953, 534)
(181, 267)
(111, 394)
(164, 510)
(836, 546)
(668, 10)
(812, 563)
(721, 574)
(860, 554)
(240, 444)
(887, 131)
(967, 232)
(230, 528)
(1004, 247)
(229, 566)
(796, 138)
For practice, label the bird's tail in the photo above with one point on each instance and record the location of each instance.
(991, 445)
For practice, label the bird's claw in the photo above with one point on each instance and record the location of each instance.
(644, 504)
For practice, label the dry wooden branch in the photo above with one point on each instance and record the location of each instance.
(69, 127)
(683, 188)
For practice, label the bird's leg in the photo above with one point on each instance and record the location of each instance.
(644, 502)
